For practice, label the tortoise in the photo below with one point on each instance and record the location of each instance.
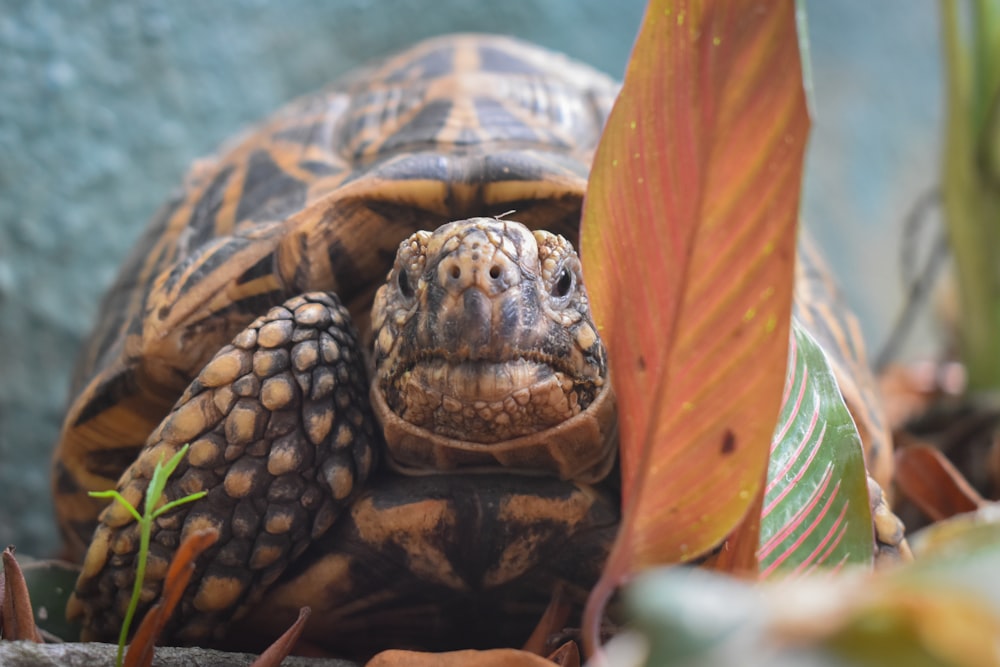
(413, 224)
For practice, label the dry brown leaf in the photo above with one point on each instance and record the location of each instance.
(567, 655)
(931, 482)
(907, 391)
(501, 657)
(553, 620)
(284, 644)
(17, 619)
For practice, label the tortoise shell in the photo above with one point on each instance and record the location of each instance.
(318, 198)
(234, 294)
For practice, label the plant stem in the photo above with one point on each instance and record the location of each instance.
(146, 529)
(154, 493)
(971, 200)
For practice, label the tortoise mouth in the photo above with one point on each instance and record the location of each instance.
(582, 448)
(487, 400)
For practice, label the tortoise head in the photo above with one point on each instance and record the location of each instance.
(486, 355)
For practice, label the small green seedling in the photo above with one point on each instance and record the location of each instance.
(145, 520)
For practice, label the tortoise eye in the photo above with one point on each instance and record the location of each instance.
(405, 288)
(564, 285)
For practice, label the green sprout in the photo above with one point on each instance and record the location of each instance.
(145, 520)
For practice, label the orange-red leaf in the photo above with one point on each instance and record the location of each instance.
(140, 651)
(275, 654)
(688, 244)
(498, 657)
(553, 620)
(567, 655)
(738, 554)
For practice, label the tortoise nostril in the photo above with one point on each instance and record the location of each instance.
(405, 288)
(456, 272)
(495, 272)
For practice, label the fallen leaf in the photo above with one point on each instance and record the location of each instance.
(501, 657)
(17, 619)
(908, 391)
(567, 655)
(929, 480)
(284, 644)
(553, 620)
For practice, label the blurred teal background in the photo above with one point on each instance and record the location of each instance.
(104, 103)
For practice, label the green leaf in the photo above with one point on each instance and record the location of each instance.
(816, 511)
(161, 473)
(963, 550)
(114, 495)
(969, 180)
(943, 611)
(697, 618)
(180, 501)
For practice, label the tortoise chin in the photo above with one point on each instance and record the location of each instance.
(580, 447)
(486, 401)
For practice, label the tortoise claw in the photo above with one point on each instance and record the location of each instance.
(890, 533)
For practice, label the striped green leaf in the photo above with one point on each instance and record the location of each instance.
(816, 512)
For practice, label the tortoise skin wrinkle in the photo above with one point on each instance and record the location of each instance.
(394, 394)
